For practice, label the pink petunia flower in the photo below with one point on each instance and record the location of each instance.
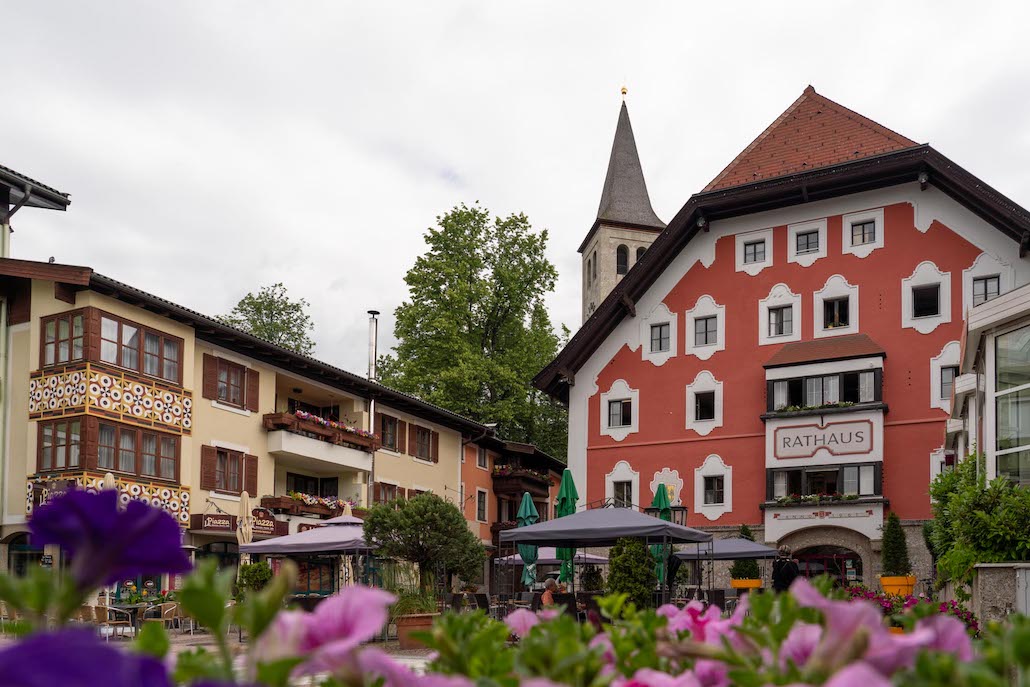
(341, 623)
(646, 677)
(520, 621)
(712, 673)
(800, 644)
(283, 638)
(547, 614)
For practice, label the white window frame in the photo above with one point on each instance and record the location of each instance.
(990, 443)
(621, 472)
(659, 315)
(836, 286)
(714, 466)
(948, 357)
(862, 250)
(703, 382)
(806, 259)
(926, 274)
(486, 454)
(706, 307)
(779, 296)
(753, 268)
(620, 391)
(486, 505)
(985, 265)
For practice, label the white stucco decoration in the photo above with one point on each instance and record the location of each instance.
(754, 268)
(937, 457)
(779, 296)
(620, 391)
(929, 205)
(673, 483)
(713, 467)
(836, 287)
(985, 265)
(806, 259)
(705, 307)
(704, 381)
(659, 315)
(621, 472)
(925, 273)
(949, 356)
(863, 250)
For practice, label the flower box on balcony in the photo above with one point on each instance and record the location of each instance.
(303, 504)
(324, 430)
(516, 481)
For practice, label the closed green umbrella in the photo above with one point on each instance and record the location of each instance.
(661, 502)
(528, 515)
(567, 498)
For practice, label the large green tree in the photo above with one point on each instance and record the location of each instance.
(428, 531)
(270, 314)
(475, 331)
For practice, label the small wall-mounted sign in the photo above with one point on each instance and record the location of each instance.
(46, 561)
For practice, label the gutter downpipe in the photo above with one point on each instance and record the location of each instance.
(6, 212)
(373, 334)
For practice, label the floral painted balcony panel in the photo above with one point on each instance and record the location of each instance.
(172, 498)
(105, 391)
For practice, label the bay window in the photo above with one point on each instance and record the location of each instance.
(825, 480)
(63, 338)
(59, 445)
(1012, 405)
(137, 451)
(129, 345)
(815, 392)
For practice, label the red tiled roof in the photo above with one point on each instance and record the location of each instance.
(813, 132)
(830, 348)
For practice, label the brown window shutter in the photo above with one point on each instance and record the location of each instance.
(253, 383)
(208, 463)
(91, 444)
(434, 450)
(250, 470)
(412, 443)
(377, 424)
(377, 492)
(210, 383)
(402, 436)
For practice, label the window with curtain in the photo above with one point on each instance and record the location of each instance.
(231, 380)
(127, 452)
(131, 346)
(59, 444)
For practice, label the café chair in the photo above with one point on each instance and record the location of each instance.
(165, 613)
(112, 619)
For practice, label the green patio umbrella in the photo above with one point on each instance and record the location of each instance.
(567, 498)
(527, 516)
(661, 502)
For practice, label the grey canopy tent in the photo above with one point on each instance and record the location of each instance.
(603, 527)
(343, 534)
(731, 549)
(548, 555)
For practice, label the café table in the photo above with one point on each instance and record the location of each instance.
(134, 611)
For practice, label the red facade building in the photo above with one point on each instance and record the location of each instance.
(783, 353)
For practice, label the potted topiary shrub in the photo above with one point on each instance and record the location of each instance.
(897, 577)
(744, 574)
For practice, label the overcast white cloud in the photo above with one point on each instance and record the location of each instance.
(212, 147)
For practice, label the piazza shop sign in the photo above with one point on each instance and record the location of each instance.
(848, 438)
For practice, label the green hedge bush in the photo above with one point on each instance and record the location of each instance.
(631, 572)
(745, 570)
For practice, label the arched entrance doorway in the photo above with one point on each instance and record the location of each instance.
(22, 555)
(841, 563)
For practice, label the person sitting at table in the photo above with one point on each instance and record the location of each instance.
(550, 587)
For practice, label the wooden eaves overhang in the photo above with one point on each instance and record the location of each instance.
(919, 163)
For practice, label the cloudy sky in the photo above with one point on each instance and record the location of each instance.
(212, 147)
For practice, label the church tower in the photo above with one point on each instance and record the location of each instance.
(626, 224)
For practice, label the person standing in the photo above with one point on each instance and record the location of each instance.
(785, 570)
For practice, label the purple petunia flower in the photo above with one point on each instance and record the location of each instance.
(76, 658)
(521, 621)
(107, 544)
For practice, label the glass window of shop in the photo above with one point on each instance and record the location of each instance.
(227, 553)
(1012, 405)
(23, 555)
(317, 576)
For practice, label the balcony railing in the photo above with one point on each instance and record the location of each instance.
(516, 480)
(173, 498)
(319, 428)
(305, 504)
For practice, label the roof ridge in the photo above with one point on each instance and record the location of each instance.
(809, 94)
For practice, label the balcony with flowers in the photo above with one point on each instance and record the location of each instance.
(319, 443)
(515, 479)
(298, 503)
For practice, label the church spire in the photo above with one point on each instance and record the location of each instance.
(624, 198)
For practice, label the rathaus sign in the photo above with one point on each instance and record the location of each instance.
(836, 438)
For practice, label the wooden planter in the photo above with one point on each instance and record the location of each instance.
(746, 584)
(407, 624)
(901, 585)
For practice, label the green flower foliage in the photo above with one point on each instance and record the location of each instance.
(745, 570)
(976, 521)
(631, 572)
(895, 548)
(475, 328)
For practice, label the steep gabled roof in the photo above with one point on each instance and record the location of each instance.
(624, 198)
(813, 132)
(918, 163)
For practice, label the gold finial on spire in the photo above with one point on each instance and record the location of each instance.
(624, 92)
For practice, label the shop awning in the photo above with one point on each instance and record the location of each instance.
(731, 549)
(331, 538)
(603, 527)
